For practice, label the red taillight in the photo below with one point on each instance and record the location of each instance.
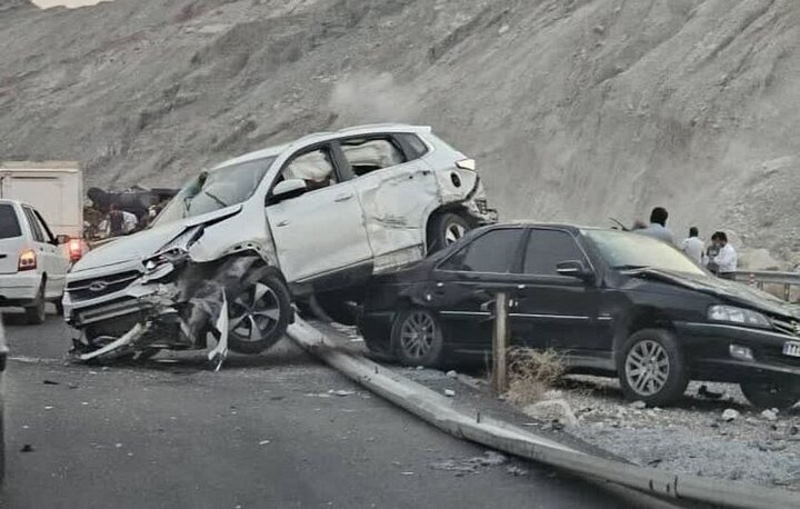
(27, 260)
(466, 164)
(74, 249)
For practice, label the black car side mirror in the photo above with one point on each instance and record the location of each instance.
(575, 268)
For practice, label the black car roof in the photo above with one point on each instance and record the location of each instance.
(575, 229)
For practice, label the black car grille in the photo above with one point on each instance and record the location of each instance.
(786, 327)
(86, 289)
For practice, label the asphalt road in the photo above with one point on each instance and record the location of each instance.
(263, 432)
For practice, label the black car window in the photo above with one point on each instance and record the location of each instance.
(9, 224)
(366, 155)
(492, 252)
(36, 230)
(548, 248)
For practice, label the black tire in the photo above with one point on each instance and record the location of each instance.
(778, 394)
(652, 368)
(259, 310)
(59, 307)
(418, 338)
(36, 313)
(445, 229)
(338, 307)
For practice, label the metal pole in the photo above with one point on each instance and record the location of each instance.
(787, 292)
(500, 344)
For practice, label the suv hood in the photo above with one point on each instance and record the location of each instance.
(145, 243)
(730, 291)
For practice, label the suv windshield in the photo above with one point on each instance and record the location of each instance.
(214, 190)
(632, 251)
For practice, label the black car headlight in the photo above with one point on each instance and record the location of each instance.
(741, 316)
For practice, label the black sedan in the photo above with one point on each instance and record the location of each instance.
(614, 303)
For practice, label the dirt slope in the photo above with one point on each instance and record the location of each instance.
(576, 110)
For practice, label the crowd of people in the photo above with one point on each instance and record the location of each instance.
(719, 256)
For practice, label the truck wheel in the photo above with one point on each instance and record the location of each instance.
(259, 310)
(417, 338)
(35, 314)
(652, 368)
(445, 229)
(778, 394)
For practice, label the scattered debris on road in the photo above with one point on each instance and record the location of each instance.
(729, 414)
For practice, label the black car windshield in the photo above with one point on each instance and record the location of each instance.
(633, 251)
(214, 190)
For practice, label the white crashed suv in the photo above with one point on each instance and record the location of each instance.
(324, 212)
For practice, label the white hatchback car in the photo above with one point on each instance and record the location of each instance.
(33, 266)
(322, 213)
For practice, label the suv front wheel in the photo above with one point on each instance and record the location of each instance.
(652, 368)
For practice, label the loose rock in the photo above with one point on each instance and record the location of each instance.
(769, 415)
(552, 410)
(730, 415)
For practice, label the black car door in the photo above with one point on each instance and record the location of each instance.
(466, 283)
(555, 311)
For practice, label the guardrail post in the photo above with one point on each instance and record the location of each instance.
(787, 292)
(500, 344)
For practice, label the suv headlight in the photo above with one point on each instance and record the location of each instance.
(174, 251)
(732, 314)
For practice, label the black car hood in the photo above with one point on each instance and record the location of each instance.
(730, 291)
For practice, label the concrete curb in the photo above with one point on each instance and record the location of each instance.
(438, 410)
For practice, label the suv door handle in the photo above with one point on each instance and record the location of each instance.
(285, 222)
(343, 197)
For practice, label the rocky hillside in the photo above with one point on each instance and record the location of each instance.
(576, 109)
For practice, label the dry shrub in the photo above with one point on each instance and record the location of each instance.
(531, 373)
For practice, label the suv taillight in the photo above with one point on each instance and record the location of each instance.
(27, 260)
(467, 164)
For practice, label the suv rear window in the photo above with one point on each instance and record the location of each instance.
(9, 224)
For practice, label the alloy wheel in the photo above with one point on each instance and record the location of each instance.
(647, 367)
(417, 334)
(255, 313)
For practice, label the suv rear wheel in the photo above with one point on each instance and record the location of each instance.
(445, 229)
(652, 368)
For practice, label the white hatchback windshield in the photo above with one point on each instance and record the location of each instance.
(216, 190)
(624, 250)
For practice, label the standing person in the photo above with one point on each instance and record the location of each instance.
(658, 226)
(693, 246)
(116, 222)
(726, 259)
(129, 221)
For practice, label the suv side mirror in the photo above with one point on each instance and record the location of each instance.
(62, 239)
(575, 268)
(288, 187)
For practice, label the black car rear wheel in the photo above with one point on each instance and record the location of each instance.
(417, 338)
(778, 394)
(36, 314)
(652, 368)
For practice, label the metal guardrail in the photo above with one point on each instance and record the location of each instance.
(759, 278)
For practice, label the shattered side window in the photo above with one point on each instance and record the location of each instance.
(493, 252)
(366, 155)
(215, 190)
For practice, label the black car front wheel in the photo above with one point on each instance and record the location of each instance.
(652, 368)
(778, 394)
(417, 338)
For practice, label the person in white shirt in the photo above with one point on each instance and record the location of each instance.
(658, 226)
(129, 221)
(726, 259)
(694, 247)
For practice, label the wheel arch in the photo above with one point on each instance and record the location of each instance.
(643, 317)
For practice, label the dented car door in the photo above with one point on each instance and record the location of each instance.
(319, 229)
(396, 191)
